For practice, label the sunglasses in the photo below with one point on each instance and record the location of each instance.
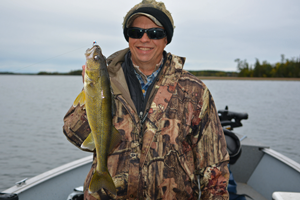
(153, 33)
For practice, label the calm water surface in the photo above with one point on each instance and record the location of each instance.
(32, 110)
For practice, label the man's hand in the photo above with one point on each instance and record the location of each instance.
(83, 72)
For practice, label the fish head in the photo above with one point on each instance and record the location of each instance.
(94, 61)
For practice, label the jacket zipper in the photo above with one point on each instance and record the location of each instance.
(126, 107)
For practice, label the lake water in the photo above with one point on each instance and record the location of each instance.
(33, 107)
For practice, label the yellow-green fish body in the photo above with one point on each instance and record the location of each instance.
(97, 98)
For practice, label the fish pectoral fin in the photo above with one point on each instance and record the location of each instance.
(102, 180)
(80, 99)
(88, 143)
(115, 138)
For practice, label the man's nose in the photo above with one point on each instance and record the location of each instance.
(145, 38)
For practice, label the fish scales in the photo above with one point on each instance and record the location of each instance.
(98, 101)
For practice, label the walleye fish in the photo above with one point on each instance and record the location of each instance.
(98, 101)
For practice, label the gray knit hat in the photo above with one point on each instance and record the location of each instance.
(156, 11)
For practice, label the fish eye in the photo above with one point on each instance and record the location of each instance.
(96, 57)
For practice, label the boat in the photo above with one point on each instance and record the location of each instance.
(259, 172)
(58, 183)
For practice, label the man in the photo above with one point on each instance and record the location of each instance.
(172, 139)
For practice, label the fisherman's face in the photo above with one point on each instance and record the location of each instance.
(145, 51)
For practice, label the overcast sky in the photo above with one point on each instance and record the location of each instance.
(52, 35)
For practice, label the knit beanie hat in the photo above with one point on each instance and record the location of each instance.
(156, 11)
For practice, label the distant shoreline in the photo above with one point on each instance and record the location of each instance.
(246, 78)
(200, 77)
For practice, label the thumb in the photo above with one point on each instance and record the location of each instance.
(83, 72)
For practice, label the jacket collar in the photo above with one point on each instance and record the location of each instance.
(118, 80)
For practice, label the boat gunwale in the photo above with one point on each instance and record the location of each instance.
(31, 182)
(286, 160)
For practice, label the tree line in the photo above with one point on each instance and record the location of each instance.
(75, 72)
(213, 73)
(287, 68)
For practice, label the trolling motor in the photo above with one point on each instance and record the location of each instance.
(231, 119)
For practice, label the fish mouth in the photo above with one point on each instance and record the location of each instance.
(93, 52)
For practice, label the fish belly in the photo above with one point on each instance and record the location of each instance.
(98, 109)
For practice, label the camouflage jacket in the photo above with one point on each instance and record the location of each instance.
(181, 138)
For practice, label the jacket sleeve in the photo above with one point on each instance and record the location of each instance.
(76, 127)
(210, 152)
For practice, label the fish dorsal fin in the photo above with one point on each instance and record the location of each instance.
(80, 99)
(88, 143)
(115, 138)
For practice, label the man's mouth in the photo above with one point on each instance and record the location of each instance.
(144, 48)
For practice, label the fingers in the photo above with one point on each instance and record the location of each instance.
(83, 72)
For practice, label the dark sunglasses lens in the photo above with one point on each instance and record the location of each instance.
(135, 33)
(153, 33)
(156, 33)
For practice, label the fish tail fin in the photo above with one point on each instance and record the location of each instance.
(102, 180)
(80, 99)
(88, 143)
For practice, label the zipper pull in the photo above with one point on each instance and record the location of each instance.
(143, 118)
(141, 115)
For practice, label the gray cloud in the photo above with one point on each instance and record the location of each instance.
(211, 34)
